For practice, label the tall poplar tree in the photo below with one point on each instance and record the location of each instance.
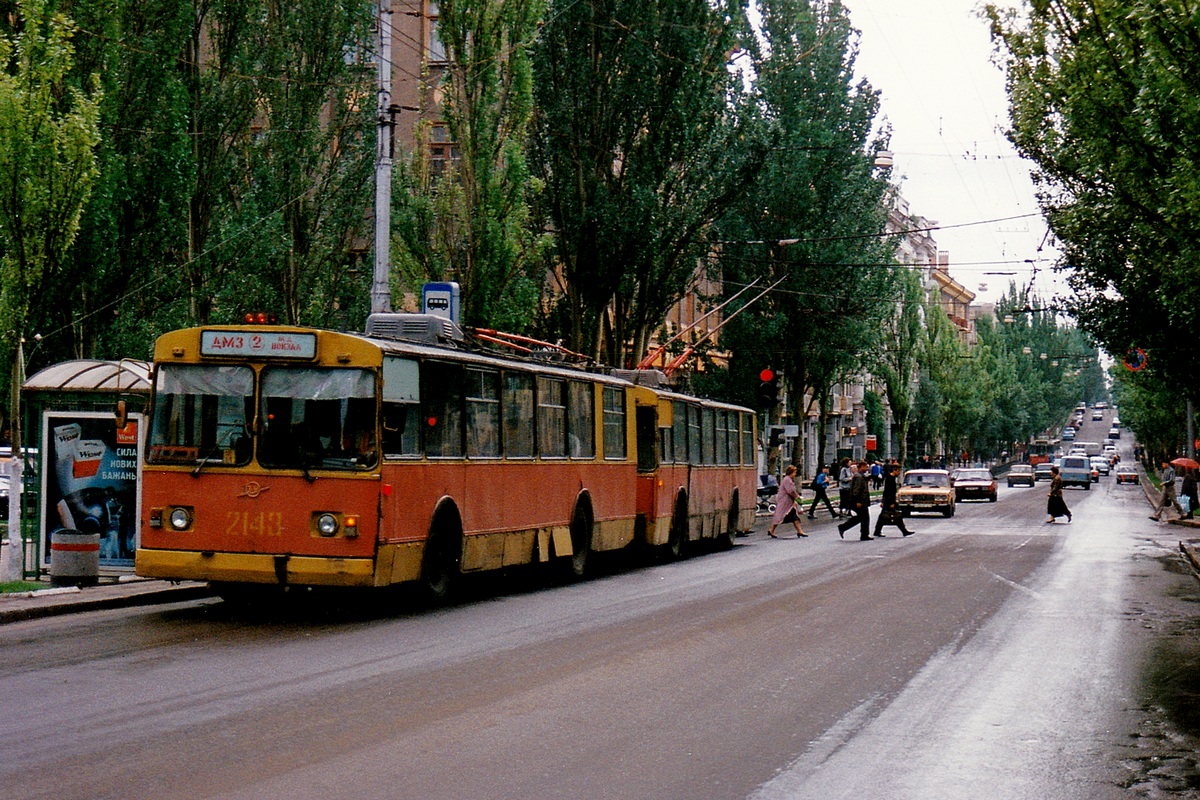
(641, 141)
(1103, 101)
(48, 136)
(816, 214)
(470, 222)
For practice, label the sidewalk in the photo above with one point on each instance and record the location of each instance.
(115, 592)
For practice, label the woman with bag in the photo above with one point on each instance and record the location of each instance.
(1055, 506)
(787, 504)
(889, 512)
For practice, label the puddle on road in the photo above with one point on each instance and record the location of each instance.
(1165, 757)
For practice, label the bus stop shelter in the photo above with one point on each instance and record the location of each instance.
(80, 468)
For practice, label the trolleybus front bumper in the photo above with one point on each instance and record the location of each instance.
(254, 568)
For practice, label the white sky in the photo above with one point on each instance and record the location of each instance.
(945, 101)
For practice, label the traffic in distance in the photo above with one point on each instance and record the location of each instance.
(1081, 463)
(282, 456)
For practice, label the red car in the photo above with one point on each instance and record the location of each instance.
(974, 483)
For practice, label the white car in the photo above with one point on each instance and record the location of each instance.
(1101, 464)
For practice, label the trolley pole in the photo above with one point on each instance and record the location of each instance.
(381, 293)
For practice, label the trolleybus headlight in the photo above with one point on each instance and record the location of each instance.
(181, 519)
(327, 524)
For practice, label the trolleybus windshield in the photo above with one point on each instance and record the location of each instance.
(317, 418)
(200, 414)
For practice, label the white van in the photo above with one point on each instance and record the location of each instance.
(1076, 471)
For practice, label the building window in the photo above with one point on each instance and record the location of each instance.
(441, 150)
(437, 50)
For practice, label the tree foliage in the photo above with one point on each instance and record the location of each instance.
(471, 222)
(815, 214)
(640, 138)
(48, 135)
(1103, 101)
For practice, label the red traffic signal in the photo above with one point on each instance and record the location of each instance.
(767, 375)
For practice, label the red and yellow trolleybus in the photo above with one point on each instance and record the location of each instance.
(293, 456)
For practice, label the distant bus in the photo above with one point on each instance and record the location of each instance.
(303, 457)
(1042, 450)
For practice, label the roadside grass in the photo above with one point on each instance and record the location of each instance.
(8, 587)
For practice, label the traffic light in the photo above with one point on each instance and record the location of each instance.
(768, 388)
(776, 436)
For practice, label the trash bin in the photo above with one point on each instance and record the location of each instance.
(74, 558)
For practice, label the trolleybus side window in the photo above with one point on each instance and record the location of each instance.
(552, 417)
(693, 418)
(722, 440)
(581, 419)
(707, 431)
(614, 422)
(441, 408)
(318, 418)
(680, 432)
(666, 444)
(401, 407)
(483, 413)
(200, 414)
(517, 408)
(748, 451)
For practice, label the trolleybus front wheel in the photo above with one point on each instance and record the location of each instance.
(441, 566)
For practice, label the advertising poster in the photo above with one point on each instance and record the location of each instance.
(90, 477)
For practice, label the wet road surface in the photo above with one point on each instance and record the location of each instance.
(990, 655)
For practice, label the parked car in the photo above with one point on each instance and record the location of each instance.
(1127, 475)
(974, 483)
(1077, 471)
(1101, 464)
(4, 485)
(1042, 471)
(1020, 474)
(926, 490)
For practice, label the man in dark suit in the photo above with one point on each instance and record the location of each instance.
(860, 501)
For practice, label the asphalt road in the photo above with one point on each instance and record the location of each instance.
(989, 655)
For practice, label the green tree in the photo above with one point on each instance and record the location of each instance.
(639, 137)
(307, 164)
(471, 222)
(48, 136)
(1103, 101)
(816, 213)
(899, 366)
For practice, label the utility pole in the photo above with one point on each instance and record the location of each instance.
(381, 293)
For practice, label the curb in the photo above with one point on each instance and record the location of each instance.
(39, 605)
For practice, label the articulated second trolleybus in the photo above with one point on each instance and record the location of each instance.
(303, 457)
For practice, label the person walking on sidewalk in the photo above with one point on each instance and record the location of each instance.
(1056, 506)
(787, 504)
(845, 477)
(1168, 493)
(889, 512)
(1188, 490)
(859, 498)
(821, 487)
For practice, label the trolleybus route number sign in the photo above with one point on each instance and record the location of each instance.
(258, 343)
